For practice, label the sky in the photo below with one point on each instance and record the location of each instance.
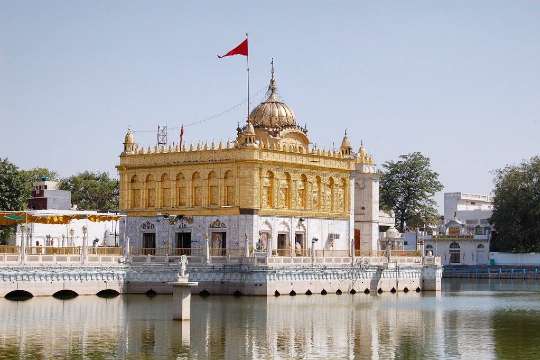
(458, 81)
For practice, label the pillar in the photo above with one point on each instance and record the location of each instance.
(182, 299)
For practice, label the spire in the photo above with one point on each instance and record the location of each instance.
(272, 87)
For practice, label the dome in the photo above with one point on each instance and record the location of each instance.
(392, 233)
(346, 143)
(249, 129)
(129, 138)
(273, 112)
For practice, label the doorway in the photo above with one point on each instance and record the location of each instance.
(283, 245)
(149, 244)
(219, 244)
(299, 244)
(183, 243)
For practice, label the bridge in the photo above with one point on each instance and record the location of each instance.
(106, 271)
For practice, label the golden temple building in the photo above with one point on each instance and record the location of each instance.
(269, 191)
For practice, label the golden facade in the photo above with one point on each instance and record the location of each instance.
(270, 170)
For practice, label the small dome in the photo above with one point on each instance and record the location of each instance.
(346, 143)
(392, 233)
(273, 112)
(129, 138)
(249, 129)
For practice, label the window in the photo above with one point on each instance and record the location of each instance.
(455, 253)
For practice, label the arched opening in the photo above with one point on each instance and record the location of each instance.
(352, 292)
(317, 191)
(455, 253)
(268, 190)
(338, 292)
(302, 192)
(204, 293)
(228, 187)
(213, 189)
(309, 292)
(393, 290)
(134, 193)
(276, 293)
(165, 196)
(196, 190)
(284, 199)
(332, 194)
(181, 193)
(366, 291)
(19, 295)
(65, 294)
(292, 293)
(108, 293)
(151, 293)
(342, 195)
(380, 291)
(418, 289)
(429, 250)
(405, 289)
(323, 292)
(150, 186)
(237, 293)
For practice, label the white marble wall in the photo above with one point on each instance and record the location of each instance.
(237, 227)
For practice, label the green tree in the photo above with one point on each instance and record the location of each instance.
(11, 187)
(407, 187)
(516, 213)
(92, 191)
(33, 175)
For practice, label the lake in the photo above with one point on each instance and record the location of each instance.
(469, 319)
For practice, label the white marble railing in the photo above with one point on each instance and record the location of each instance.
(58, 259)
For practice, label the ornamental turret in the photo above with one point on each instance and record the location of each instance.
(346, 147)
(129, 142)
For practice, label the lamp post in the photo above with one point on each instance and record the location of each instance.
(84, 244)
(313, 241)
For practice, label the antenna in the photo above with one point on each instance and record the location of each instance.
(162, 135)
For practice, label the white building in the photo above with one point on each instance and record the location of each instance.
(472, 210)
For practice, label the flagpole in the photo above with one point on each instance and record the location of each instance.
(247, 68)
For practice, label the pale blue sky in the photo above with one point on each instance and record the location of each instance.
(457, 80)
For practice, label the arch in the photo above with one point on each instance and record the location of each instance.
(342, 195)
(213, 189)
(19, 295)
(265, 236)
(65, 294)
(352, 292)
(108, 293)
(317, 192)
(366, 291)
(268, 190)
(165, 193)
(393, 290)
(134, 192)
(380, 291)
(480, 246)
(292, 293)
(324, 292)
(204, 293)
(285, 192)
(196, 189)
(454, 245)
(276, 293)
(308, 292)
(237, 293)
(151, 293)
(405, 289)
(302, 192)
(429, 247)
(339, 292)
(181, 190)
(150, 187)
(228, 188)
(332, 194)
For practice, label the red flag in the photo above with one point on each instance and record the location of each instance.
(241, 49)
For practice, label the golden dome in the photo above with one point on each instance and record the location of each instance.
(273, 112)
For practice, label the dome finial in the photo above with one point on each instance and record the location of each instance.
(272, 88)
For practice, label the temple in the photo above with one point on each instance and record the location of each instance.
(268, 192)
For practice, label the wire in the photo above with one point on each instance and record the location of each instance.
(211, 117)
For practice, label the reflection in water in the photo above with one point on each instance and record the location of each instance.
(483, 320)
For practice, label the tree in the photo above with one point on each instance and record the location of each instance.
(11, 187)
(92, 191)
(407, 187)
(516, 208)
(33, 175)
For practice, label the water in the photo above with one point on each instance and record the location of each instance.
(469, 320)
